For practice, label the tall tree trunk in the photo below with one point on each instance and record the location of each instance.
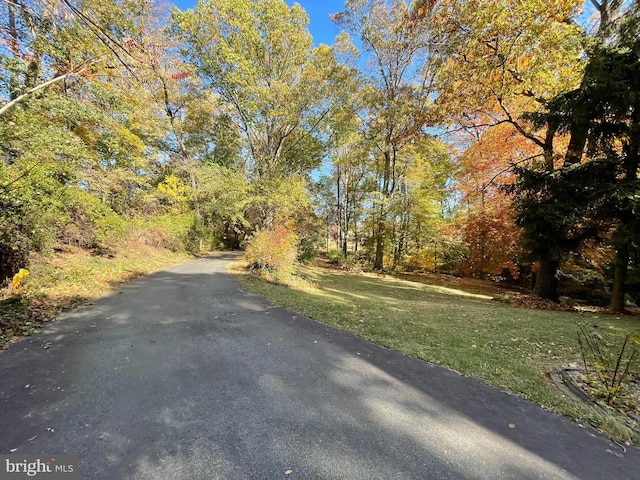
(547, 280)
(347, 223)
(381, 226)
(14, 48)
(483, 231)
(623, 237)
(579, 130)
(378, 263)
(340, 233)
(621, 266)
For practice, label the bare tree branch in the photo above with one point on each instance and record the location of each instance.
(76, 71)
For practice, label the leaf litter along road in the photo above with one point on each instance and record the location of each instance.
(185, 375)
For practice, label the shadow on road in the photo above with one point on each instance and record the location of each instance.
(182, 374)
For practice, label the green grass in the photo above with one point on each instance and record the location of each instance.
(510, 348)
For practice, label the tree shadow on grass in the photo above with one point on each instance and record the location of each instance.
(185, 375)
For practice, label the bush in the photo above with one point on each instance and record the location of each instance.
(158, 238)
(19, 235)
(169, 231)
(336, 257)
(308, 253)
(581, 282)
(196, 238)
(89, 223)
(353, 262)
(310, 231)
(610, 357)
(272, 250)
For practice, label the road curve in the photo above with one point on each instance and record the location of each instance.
(184, 375)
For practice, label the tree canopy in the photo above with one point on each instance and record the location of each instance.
(483, 138)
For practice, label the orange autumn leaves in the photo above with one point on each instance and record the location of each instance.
(487, 226)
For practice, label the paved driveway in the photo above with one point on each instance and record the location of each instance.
(184, 375)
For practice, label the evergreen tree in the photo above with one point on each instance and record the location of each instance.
(597, 195)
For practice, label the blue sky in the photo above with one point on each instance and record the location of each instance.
(322, 29)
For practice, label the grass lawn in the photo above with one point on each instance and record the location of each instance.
(510, 348)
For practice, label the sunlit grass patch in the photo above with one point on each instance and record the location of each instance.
(453, 291)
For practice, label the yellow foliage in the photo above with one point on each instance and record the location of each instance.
(174, 189)
(18, 279)
(86, 134)
(130, 138)
(273, 250)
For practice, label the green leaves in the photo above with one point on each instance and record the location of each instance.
(257, 57)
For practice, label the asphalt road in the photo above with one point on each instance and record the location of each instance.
(184, 375)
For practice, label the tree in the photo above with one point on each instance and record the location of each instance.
(598, 118)
(418, 207)
(74, 123)
(487, 216)
(609, 12)
(353, 180)
(274, 89)
(603, 119)
(397, 96)
(501, 61)
(257, 57)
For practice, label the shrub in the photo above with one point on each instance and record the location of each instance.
(168, 231)
(352, 262)
(272, 250)
(336, 257)
(19, 235)
(158, 238)
(310, 231)
(308, 253)
(89, 223)
(610, 358)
